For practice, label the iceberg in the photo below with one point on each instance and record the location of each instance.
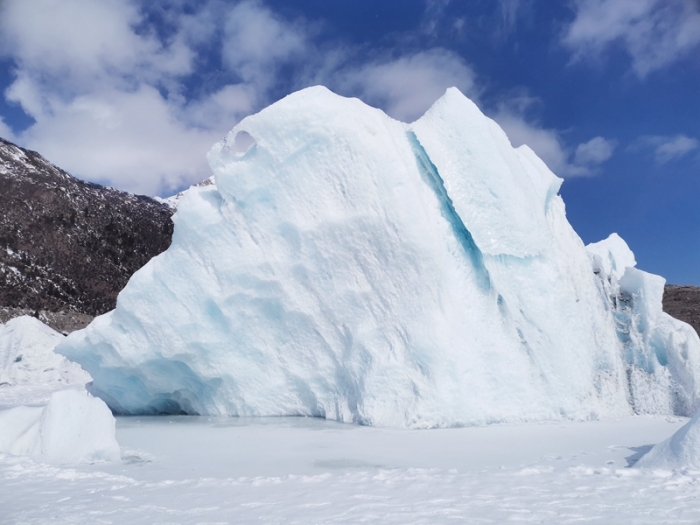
(349, 266)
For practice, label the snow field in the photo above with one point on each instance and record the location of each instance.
(282, 470)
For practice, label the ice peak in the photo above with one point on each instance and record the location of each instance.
(612, 256)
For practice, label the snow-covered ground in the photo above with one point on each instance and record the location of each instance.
(196, 470)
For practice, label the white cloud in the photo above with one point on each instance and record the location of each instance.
(112, 100)
(548, 143)
(256, 40)
(668, 148)
(132, 140)
(406, 87)
(6, 132)
(655, 33)
(82, 41)
(106, 92)
(595, 151)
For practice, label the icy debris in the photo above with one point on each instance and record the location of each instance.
(349, 266)
(73, 427)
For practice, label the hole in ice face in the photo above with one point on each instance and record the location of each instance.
(242, 142)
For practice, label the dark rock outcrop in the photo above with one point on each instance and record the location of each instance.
(683, 303)
(68, 245)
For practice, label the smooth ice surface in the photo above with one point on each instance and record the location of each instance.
(349, 266)
(190, 470)
(681, 450)
(73, 427)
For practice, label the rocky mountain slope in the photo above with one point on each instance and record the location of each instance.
(67, 245)
(683, 302)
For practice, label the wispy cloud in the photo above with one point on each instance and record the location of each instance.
(655, 33)
(407, 86)
(594, 152)
(549, 144)
(6, 132)
(668, 148)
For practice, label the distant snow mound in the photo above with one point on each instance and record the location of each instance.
(349, 266)
(27, 356)
(73, 427)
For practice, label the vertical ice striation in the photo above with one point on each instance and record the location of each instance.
(349, 266)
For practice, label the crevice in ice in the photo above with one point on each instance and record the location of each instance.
(552, 192)
(431, 175)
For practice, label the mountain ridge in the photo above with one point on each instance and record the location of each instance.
(67, 245)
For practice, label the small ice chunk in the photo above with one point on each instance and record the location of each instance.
(73, 427)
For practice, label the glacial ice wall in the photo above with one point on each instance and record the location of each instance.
(349, 266)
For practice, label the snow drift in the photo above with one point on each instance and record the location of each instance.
(349, 266)
(681, 450)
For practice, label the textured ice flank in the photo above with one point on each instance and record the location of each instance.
(661, 355)
(352, 267)
(493, 192)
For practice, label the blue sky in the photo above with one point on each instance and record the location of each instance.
(133, 94)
